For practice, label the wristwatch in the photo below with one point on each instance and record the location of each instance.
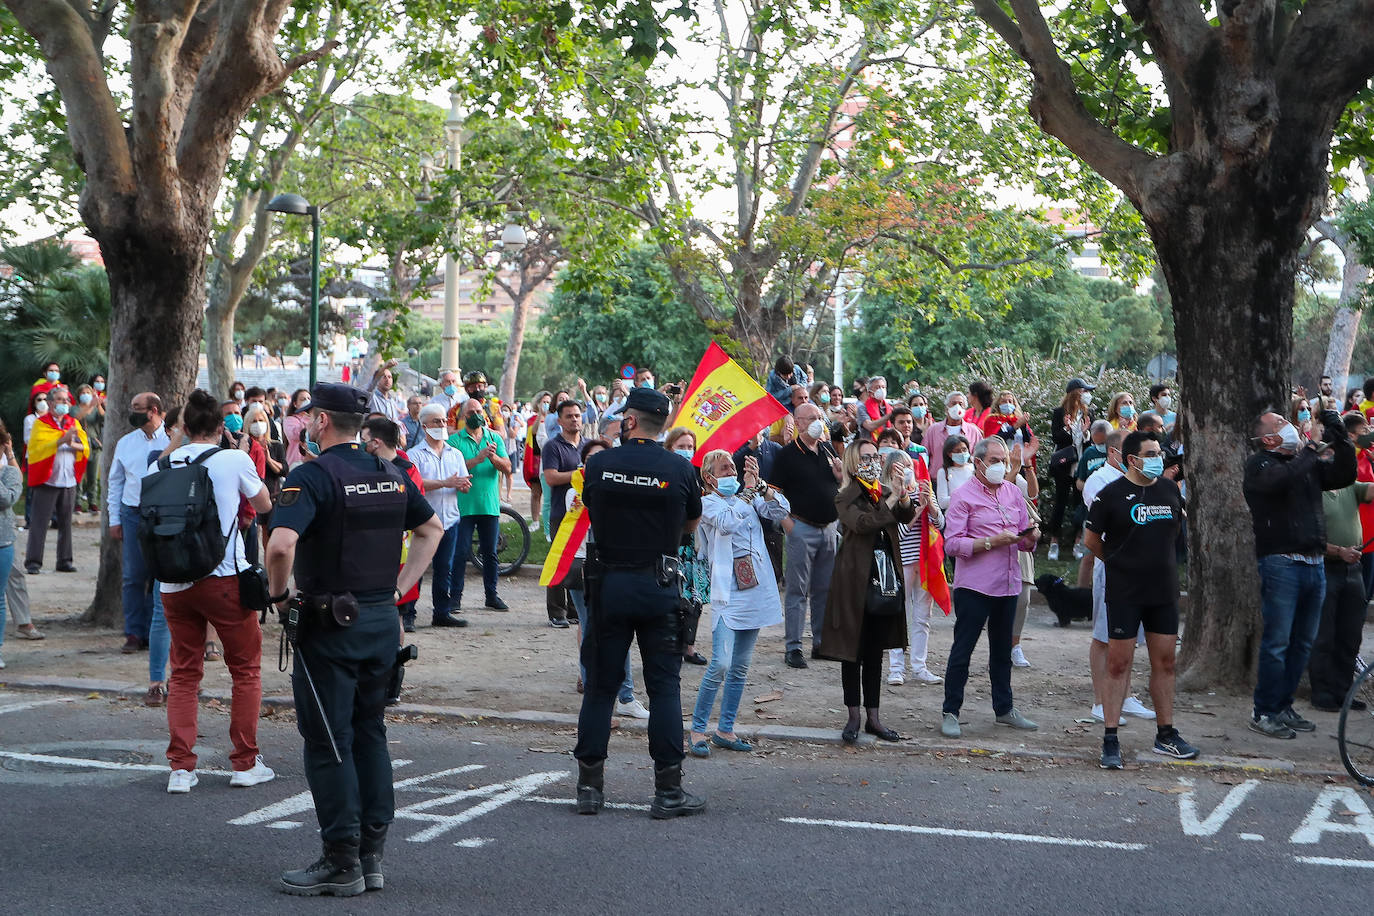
(987, 543)
(279, 599)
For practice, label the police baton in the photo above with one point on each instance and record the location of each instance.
(288, 633)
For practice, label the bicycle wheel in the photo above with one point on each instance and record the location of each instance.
(1356, 734)
(512, 543)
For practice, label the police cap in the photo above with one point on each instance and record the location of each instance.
(338, 398)
(647, 400)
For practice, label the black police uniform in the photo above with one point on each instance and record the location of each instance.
(638, 498)
(350, 510)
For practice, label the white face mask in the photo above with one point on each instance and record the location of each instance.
(257, 428)
(1290, 437)
(1165, 402)
(995, 473)
(815, 429)
(955, 413)
(1087, 398)
(880, 394)
(437, 433)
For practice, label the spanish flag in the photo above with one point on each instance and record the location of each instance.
(724, 406)
(572, 531)
(47, 432)
(932, 552)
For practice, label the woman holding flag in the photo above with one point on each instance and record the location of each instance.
(58, 451)
(923, 575)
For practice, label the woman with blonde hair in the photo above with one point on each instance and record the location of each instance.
(1121, 412)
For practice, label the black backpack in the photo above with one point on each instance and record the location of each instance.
(179, 528)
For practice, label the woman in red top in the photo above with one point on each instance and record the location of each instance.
(1364, 471)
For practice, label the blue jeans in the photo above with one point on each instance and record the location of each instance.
(139, 592)
(627, 686)
(159, 641)
(731, 652)
(1367, 570)
(6, 561)
(487, 528)
(443, 572)
(1291, 596)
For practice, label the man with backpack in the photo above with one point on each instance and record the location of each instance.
(188, 508)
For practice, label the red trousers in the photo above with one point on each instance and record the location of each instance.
(212, 600)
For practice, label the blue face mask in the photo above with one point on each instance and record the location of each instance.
(825, 398)
(686, 452)
(647, 383)
(233, 422)
(959, 458)
(919, 412)
(1304, 416)
(1006, 408)
(1153, 466)
(52, 375)
(1127, 411)
(728, 487)
(450, 390)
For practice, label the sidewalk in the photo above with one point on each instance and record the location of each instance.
(513, 666)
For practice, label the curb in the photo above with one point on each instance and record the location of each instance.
(794, 734)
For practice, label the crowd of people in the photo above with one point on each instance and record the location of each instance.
(820, 522)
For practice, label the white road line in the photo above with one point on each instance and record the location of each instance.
(20, 707)
(966, 834)
(1345, 863)
(103, 764)
(617, 806)
(515, 790)
(1253, 837)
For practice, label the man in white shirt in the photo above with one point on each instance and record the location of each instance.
(444, 472)
(214, 601)
(127, 469)
(379, 391)
(448, 394)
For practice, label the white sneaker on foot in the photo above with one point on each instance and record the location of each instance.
(2, 663)
(633, 709)
(181, 782)
(1018, 658)
(896, 679)
(1133, 707)
(1054, 550)
(1079, 551)
(925, 676)
(258, 774)
(1097, 713)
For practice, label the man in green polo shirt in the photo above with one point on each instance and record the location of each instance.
(480, 507)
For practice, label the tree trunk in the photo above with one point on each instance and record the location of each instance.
(1341, 344)
(510, 366)
(156, 293)
(227, 291)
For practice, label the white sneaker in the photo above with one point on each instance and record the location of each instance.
(1054, 550)
(259, 774)
(1079, 551)
(2, 663)
(181, 782)
(1133, 707)
(1018, 658)
(896, 679)
(925, 676)
(1097, 713)
(634, 709)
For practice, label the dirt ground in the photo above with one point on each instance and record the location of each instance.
(514, 661)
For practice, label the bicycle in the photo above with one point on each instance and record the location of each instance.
(512, 543)
(1356, 732)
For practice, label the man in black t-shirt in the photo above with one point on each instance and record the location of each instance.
(1131, 528)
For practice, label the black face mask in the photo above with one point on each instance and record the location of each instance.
(138, 419)
(475, 421)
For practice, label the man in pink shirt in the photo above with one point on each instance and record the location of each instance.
(985, 525)
(956, 409)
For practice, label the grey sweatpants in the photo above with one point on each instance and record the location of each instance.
(810, 562)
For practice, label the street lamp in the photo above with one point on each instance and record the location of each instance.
(453, 133)
(296, 205)
(513, 238)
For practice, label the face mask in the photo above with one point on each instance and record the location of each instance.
(52, 375)
(312, 446)
(475, 421)
(85, 397)
(918, 412)
(1127, 410)
(450, 390)
(909, 478)
(99, 386)
(282, 404)
(1153, 466)
(868, 470)
(912, 389)
(825, 398)
(727, 487)
(647, 383)
(138, 419)
(601, 399)
(233, 422)
(438, 434)
(1165, 402)
(995, 473)
(1290, 437)
(1087, 398)
(815, 429)
(257, 428)
(61, 409)
(959, 458)
(1303, 415)
(955, 413)
(885, 451)
(686, 452)
(880, 394)
(40, 407)
(1006, 409)
(238, 396)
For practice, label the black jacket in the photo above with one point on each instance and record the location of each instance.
(1284, 493)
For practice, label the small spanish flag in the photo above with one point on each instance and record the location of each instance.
(724, 406)
(47, 433)
(932, 552)
(572, 531)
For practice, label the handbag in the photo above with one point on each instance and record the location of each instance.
(254, 593)
(884, 597)
(574, 577)
(745, 575)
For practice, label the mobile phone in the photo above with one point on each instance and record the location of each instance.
(1025, 531)
(1366, 440)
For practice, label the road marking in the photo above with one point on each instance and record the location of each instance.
(286, 825)
(473, 842)
(615, 806)
(1188, 813)
(967, 834)
(514, 790)
(302, 802)
(1318, 819)
(55, 760)
(1254, 837)
(1344, 863)
(32, 704)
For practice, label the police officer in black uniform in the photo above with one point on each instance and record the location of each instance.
(640, 499)
(340, 521)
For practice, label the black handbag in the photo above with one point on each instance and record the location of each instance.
(884, 597)
(254, 593)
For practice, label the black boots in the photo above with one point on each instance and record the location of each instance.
(370, 853)
(591, 786)
(669, 799)
(337, 873)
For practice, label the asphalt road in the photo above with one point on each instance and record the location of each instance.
(484, 826)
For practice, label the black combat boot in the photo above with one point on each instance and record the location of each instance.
(669, 799)
(370, 855)
(336, 873)
(591, 786)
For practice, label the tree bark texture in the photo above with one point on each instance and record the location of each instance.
(1340, 346)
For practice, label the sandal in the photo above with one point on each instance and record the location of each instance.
(29, 631)
(731, 744)
(212, 652)
(700, 749)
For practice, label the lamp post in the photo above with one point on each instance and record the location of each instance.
(296, 205)
(453, 133)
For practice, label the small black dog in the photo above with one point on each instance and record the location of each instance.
(1067, 602)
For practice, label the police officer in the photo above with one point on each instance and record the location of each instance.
(338, 525)
(640, 498)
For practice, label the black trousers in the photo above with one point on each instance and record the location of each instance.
(1065, 502)
(632, 606)
(351, 667)
(1331, 667)
(867, 672)
(974, 611)
(558, 604)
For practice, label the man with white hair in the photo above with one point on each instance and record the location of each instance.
(444, 473)
(448, 392)
(956, 408)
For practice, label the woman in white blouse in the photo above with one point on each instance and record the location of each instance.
(955, 470)
(744, 589)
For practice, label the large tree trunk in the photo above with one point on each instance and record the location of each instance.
(510, 366)
(231, 283)
(1341, 344)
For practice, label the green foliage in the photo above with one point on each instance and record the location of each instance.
(544, 364)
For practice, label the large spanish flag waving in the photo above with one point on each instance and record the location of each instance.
(47, 433)
(724, 406)
(572, 531)
(932, 551)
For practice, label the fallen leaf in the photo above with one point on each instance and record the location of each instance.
(765, 715)
(1168, 790)
(769, 697)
